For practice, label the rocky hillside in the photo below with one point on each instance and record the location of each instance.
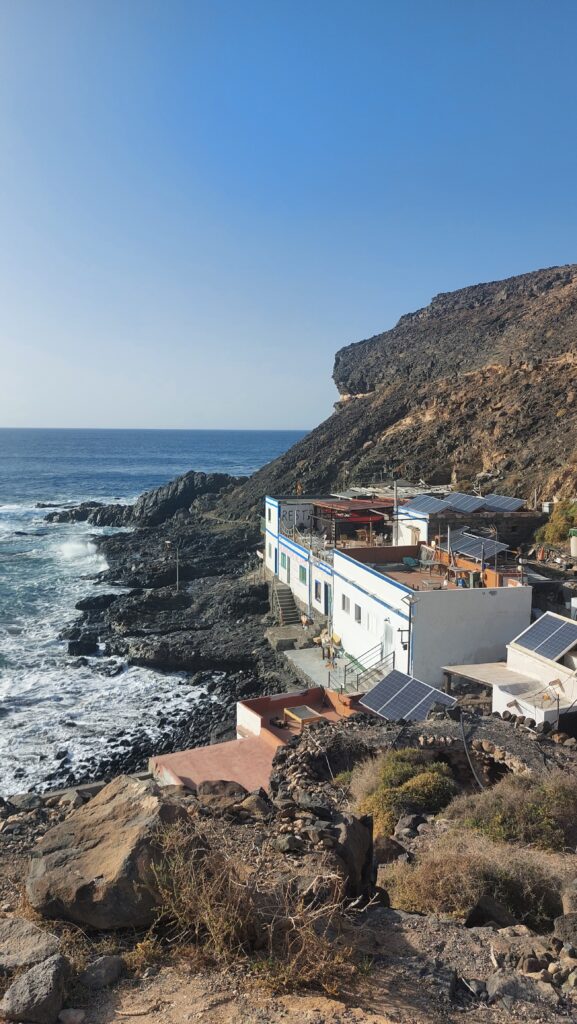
(480, 381)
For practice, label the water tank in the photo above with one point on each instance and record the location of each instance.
(573, 546)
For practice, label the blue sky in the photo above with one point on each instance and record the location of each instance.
(201, 201)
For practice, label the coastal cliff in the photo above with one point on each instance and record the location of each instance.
(478, 384)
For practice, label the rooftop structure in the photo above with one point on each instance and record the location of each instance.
(539, 677)
(263, 724)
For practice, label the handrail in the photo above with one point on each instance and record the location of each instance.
(276, 605)
(383, 661)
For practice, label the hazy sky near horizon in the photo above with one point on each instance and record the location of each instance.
(202, 200)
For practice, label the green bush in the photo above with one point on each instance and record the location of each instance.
(561, 520)
(450, 875)
(541, 813)
(401, 782)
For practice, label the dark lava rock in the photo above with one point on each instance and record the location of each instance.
(87, 644)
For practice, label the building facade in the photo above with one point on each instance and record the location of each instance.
(372, 598)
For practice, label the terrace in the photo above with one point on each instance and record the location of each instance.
(424, 567)
(342, 524)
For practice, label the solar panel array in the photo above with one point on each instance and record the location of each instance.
(399, 696)
(502, 503)
(427, 504)
(549, 636)
(456, 501)
(464, 502)
(481, 548)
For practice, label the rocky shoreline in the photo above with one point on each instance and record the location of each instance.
(209, 628)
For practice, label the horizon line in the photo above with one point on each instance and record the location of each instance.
(191, 430)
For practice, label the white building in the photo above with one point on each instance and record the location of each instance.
(539, 677)
(420, 611)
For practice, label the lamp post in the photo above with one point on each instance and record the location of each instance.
(170, 545)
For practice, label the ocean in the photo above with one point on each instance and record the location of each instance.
(48, 708)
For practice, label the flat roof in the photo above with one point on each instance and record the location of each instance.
(354, 504)
(529, 689)
(248, 762)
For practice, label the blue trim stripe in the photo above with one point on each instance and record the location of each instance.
(296, 548)
(373, 597)
(327, 569)
(373, 572)
(271, 501)
(414, 515)
(272, 534)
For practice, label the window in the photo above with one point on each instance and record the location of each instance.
(269, 513)
(302, 574)
(317, 590)
(270, 551)
(358, 613)
(283, 560)
(346, 604)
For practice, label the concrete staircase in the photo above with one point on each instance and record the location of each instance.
(372, 676)
(283, 605)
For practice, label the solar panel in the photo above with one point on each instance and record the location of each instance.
(401, 696)
(464, 502)
(503, 503)
(559, 643)
(538, 632)
(481, 548)
(427, 504)
(549, 636)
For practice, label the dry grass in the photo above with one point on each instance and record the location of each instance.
(541, 813)
(235, 913)
(451, 873)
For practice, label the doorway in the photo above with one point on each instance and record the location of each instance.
(288, 570)
(327, 599)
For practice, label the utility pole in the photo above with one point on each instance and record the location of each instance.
(176, 545)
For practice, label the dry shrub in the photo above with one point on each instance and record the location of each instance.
(233, 911)
(454, 870)
(400, 782)
(541, 813)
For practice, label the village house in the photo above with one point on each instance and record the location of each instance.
(263, 724)
(538, 678)
(412, 606)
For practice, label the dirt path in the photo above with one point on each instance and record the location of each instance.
(177, 996)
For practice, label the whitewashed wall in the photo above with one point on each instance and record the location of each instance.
(298, 557)
(404, 525)
(271, 519)
(321, 573)
(384, 617)
(465, 626)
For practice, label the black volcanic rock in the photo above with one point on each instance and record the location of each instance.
(154, 507)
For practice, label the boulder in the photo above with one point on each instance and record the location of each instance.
(220, 794)
(71, 1017)
(355, 848)
(408, 823)
(569, 898)
(508, 987)
(102, 972)
(23, 944)
(388, 850)
(566, 928)
(36, 996)
(96, 867)
(86, 644)
(489, 911)
(256, 805)
(289, 844)
(25, 802)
